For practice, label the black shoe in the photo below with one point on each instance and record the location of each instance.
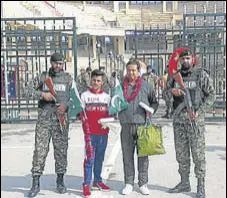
(201, 188)
(35, 187)
(61, 188)
(181, 187)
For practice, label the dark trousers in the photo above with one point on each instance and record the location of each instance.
(129, 143)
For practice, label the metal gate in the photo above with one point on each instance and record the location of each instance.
(26, 47)
(154, 46)
(206, 35)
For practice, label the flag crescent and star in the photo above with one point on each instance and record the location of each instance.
(113, 100)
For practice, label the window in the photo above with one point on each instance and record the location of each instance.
(122, 2)
(106, 2)
(133, 2)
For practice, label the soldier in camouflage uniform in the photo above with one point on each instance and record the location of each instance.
(79, 80)
(152, 79)
(48, 124)
(84, 80)
(201, 90)
(106, 83)
(167, 97)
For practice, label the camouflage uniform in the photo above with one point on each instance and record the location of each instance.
(84, 81)
(48, 124)
(202, 92)
(79, 79)
(152, 79)
(167, 97)
(106, 84)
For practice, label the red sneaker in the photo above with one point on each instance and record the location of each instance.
(101, 186)
(86, 190)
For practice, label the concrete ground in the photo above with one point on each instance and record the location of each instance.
(17, 144)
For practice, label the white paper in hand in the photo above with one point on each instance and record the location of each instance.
(111, 124)
(146, 107)
(105, 121)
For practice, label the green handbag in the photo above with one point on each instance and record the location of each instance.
(150, 140)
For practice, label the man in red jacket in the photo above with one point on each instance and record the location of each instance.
(96, 106)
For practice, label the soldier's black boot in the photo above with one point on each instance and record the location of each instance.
(61, 188)
(183, 186)
(201, 188)
(35, 187)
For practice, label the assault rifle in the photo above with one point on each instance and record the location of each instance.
(50, 85)
(187, 100)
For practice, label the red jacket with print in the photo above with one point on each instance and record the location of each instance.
(96, 108)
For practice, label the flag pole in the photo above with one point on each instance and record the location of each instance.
(78, 96)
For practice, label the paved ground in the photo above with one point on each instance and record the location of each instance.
(17, 144)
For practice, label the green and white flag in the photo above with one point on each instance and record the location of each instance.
(118, 102)
(75, 104)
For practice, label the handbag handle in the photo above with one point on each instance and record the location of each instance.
(148, 120)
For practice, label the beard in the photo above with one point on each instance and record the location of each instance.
(57, 70)
(186, 66)
(53, 72)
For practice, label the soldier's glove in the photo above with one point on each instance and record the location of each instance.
(61, 108)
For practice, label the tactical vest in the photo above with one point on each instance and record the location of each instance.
(192, 82)
(61, 86)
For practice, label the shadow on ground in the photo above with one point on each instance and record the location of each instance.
(118, 185)
(22, 184)
(215, 148)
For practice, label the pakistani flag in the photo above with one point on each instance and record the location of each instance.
(118, 101)
(75, 103)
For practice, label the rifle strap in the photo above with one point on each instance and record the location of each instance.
(179, 108)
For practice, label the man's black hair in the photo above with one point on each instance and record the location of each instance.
(97, 72)
(133, 62)
(185, 53)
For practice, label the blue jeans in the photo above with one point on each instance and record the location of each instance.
(99, 143)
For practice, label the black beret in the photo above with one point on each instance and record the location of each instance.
(56, 57)
(185, 53)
